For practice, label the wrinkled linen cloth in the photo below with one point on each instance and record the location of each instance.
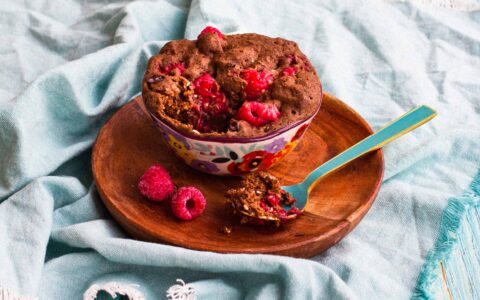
(67, 66)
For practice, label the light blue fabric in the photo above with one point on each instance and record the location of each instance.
(452, 268)
(67, 65)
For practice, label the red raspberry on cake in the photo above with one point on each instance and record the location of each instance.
(173, 69)
(257, 82)
(273, 199)
(289, 71)
(210, 29)
(205, 85)
(188, 203)
(257, 113)
(156, 184)
(211, 106)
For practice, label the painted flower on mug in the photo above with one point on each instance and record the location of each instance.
(251, 162)
(299, 133)
(180, 148)
(175, 135)
(282, 153)
(276, 145)
(186, 155)
(168, 132)
(177, 144)
(204, 166)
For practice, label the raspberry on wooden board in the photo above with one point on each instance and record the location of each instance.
(188, 203)
(156, 184)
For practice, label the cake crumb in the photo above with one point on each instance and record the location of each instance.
(226, 229)
(259, 200)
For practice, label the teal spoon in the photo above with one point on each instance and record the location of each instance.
(394, 130)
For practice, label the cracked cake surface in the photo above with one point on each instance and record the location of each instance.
(242, 85)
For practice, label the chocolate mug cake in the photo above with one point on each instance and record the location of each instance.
(241, 85)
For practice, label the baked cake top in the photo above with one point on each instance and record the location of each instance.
(243, 85)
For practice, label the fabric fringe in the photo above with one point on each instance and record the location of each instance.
(6, 294)
(181, 291)
(451, 220)
(462, 5)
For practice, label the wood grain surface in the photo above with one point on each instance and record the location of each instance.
(129, 143)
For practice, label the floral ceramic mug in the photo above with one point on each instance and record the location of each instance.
(233, 156)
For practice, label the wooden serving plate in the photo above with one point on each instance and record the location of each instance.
(129, 143)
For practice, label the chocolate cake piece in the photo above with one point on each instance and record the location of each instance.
(261, 196)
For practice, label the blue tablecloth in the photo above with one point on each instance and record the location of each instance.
(67, 65)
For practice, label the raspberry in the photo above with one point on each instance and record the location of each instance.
(282, 214)
(265, 207)
(212, 113)
(217, 104)
(258, 114)
(297, 62)
(188, 203)
(257, 82)
(294, 211)
(212, 107)
(155, 184)
(210, 29)
(273, 200)
(205, 85)
(292, 59)
(289, 71)
(172, 68)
